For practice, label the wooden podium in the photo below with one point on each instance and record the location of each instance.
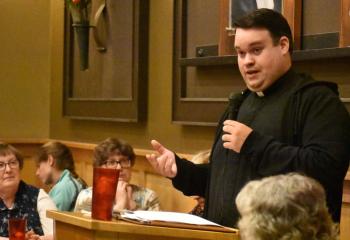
(75, 226)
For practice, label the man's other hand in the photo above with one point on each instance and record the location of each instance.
(235, 134)
(164, 161)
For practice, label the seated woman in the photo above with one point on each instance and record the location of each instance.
(56, 168)
(114, 153)
(286, 207)
(20, 200)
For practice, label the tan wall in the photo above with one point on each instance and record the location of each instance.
(32, 32)
(24, 68)
(158, 125)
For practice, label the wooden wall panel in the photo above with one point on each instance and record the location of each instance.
(143, 174)
(345, 222)
(113, 88)
(170, 198)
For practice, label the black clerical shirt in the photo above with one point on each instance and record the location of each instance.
(294, 107)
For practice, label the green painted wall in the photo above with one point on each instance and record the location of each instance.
(24, 68)
(158, 125)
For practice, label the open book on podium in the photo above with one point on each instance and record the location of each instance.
(172, 219)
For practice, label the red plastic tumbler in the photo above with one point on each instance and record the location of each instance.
(17, 228)
(103, 192)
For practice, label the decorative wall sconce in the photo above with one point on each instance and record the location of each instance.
(80, 11)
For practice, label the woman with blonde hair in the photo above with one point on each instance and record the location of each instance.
(284, 207)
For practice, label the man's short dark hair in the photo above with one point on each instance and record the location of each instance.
(267, 19)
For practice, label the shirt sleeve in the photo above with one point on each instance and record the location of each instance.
(152, 200)
(45, 203)
(191, 178)
(63, 195)
(84, 201)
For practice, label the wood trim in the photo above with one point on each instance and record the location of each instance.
(345, 222)
(320, 41)
(297, 56)
(79, 145)
(346, 189)
(226, 39)
(100, 99)
(91, 146)
(142, 231)
(344, 39)
(292, 10)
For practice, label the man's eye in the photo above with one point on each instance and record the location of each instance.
(241, 54)
(257, 50)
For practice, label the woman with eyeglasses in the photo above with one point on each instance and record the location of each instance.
(115, 153)
(20, 200)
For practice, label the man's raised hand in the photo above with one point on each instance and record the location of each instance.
(164, 161)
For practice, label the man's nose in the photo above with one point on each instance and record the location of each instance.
(249, 60)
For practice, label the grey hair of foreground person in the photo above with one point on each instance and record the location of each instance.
(284, 207)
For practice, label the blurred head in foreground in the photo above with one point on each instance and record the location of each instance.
(289, 206)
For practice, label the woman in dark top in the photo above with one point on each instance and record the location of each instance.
(20, 200)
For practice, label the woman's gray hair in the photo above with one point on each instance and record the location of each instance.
(284, 207)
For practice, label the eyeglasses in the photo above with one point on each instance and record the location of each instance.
(124, 163)
(12, 164)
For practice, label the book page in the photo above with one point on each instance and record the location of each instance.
(173, 217)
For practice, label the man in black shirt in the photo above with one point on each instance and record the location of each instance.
(283, 122)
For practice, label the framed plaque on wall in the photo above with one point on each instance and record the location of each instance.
(114, 85)
(230, 10)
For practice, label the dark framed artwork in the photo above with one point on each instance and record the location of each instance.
(328, 27)
(239, 8)
(344, 40)
(114, 87)
(230, 10)
(199, 93)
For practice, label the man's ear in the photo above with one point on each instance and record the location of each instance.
(285, 44)
(51, 160)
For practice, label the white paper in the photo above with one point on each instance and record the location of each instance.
(148, 216)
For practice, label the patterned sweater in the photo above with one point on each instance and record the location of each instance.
(145, 199)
